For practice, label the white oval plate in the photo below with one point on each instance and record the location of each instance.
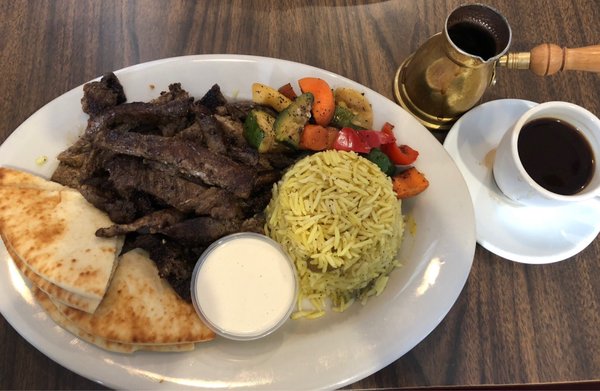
(326, 353)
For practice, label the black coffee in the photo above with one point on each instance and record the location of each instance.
(473, 39)
(556, 155)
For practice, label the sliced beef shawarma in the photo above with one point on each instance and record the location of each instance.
(213, 98)
(148, 224)
(211, 168)
(175, 93)
(140, 113)
(213, 135)
(201, 231)
(128, 173)
(101, 95)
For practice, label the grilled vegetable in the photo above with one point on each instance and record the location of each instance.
(401, 155)
(324, 103)
(382, 161)
(349, 139)
(409, 183)
(288, 91)
(317, 138)
(265, 95)
(258, 130)
(361, 141)
(290, 122)
(343, 117)
(357, 104)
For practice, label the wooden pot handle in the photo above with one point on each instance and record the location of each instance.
(547, 59)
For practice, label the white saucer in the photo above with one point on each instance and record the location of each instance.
(512, 231)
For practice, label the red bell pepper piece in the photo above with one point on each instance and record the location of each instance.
(401, 155)
(288, 91)
(349, 140)
(389, 130)
(375, 138)
(362, 141)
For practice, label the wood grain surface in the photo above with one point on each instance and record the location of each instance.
(512, 324)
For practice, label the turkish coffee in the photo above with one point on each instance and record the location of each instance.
(556, 155)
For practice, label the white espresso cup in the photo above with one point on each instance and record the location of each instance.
(540, 163)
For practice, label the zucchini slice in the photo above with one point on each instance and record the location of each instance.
(259, 131)
(290, 122)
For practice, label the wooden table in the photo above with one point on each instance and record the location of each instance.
(512, 324)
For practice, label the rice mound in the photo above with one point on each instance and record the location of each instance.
(337, 217)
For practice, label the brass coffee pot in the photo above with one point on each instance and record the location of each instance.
(450, 72)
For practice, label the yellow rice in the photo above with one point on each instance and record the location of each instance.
(337, 217)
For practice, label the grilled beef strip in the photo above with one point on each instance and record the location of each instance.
(128, 173)
(244, 155)
(121, 207)
(234, 130)
(101, 95)
(213, 98)
(266, 178)
(175, 93)
(255, 223)
(238, 111)
(192, 134)
(148, 224)
(201, 231)
(118, 209)
(211, 168)
(67, 175)
(208, 133)
(213, 136)
(138, 114)
(77, 153)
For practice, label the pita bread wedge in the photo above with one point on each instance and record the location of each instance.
(52, 231)
(71, 299)
(10, 177)
(140, 308)
(50, 308)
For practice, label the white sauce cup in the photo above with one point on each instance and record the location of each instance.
(244, 286)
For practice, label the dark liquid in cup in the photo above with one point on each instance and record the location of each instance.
(473, 39)
(556, 155)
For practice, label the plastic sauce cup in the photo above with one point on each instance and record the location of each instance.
(244, 286)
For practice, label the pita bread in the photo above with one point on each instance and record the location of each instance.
(140, 308)
(52, 231)
(83, 303)
(50, 308)
(10, 177)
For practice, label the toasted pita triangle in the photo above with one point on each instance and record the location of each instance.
(71, 299)
(48, 305)
(52, 231)
(140, 308)
(10, 177)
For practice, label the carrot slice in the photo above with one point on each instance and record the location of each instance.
(324, 103)
(314, 137)
(409, 183)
